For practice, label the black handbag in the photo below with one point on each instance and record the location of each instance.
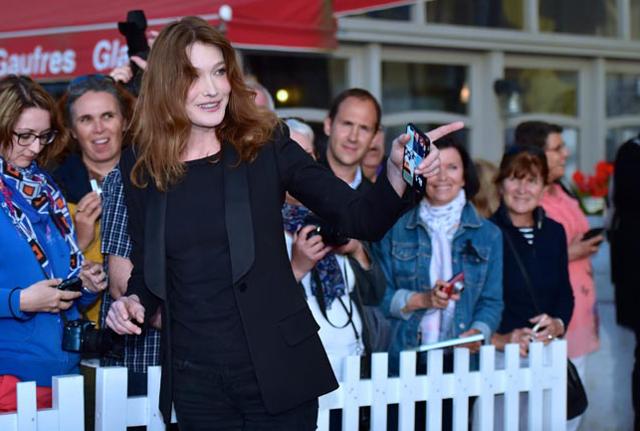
(577, 401)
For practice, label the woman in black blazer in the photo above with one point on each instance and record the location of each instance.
(205, 183)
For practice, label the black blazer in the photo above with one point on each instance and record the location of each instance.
(624, 235)
(290, 363)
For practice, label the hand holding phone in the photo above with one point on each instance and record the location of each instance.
(592, 233)
(415, 152)
(455, 285)
(73, 284)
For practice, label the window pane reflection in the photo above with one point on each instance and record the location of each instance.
(546, 90)
(400, 13)
(617, 137)
(635, 19)
(588, 17)
(479, 13)
(412, 87)
(309, 80)
(623, 94)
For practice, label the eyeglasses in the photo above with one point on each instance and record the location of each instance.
(27, 138)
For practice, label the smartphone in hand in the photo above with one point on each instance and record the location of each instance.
(592, 233)
(414, 153)
(73, 284)
(455, 285)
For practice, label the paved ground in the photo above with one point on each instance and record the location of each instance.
(609, 369)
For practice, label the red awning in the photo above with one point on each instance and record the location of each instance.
(49, 39)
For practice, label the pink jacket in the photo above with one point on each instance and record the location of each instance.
(582, 334)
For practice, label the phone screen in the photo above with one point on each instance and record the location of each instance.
(414, 153)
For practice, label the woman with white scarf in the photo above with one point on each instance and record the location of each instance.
(441, 238)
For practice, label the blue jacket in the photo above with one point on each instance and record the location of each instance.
(405, 254)
(31, 345)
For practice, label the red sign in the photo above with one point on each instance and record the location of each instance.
(82, 37)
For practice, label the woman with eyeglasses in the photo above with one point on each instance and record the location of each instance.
(538, 300)
(95, 112)
(38, 248)
(562, 205)
(204, 191)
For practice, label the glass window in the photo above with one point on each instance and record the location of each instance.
(479, 13)
(400, 13)
(635, 19)
(307, 80)
(546, 90)
(623, 94)
(617, 137)
(414, 87)
(588, 17)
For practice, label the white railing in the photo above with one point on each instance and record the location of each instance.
(544, 380)
(67, 412)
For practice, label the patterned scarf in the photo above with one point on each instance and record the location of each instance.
(28, 196)
(331, 282)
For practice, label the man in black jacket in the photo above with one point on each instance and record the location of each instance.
(625, 250)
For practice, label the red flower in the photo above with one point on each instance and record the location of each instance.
(596, 185)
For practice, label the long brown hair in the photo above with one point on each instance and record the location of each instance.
(161, 126)
(18, 93)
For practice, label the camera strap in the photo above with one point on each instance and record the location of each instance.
(323, 307)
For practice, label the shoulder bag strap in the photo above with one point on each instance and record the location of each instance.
(523, 270)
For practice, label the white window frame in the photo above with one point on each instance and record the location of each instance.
(473, 61)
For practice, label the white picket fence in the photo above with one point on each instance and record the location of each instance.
(544, 380)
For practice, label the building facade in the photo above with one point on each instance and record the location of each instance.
(490, 63)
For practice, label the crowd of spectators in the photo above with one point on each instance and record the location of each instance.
(513, 234)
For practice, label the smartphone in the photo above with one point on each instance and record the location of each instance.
(592, 233)
(73, 284)
(455, 285)
(414, 152)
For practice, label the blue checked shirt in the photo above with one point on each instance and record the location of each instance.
(140, 351)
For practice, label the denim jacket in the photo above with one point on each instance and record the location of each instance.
(405, 253)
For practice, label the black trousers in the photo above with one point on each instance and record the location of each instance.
(227, 397)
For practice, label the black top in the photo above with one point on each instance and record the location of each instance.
(547, 266)
(624, 236)
(205, 323)
(288, 358)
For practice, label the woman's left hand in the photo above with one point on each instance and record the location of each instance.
(548, 328)
(429, 166)
(475, 346)
(93, 277)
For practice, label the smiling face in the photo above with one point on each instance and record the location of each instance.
(32, 120)
(208, 95)
(351, 131)
(521, 196)
(98, 126)
(557, 154)
(444, 187)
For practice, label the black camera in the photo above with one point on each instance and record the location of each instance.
(133, 30)
(81, 336)
(330, 235)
